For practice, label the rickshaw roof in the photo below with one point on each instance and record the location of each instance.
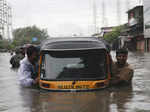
(72, 43)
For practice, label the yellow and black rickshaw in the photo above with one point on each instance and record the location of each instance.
(74, 64)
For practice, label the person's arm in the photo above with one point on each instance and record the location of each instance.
(36, 81)
(123, 76)
(129, 76)
(126, 75)
(115, 80)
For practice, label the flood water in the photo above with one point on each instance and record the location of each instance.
(13, 98)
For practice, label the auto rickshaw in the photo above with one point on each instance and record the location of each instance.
(74, 64)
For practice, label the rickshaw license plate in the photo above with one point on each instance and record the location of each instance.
(73, 86)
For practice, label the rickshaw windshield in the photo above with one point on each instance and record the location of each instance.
(71, 65)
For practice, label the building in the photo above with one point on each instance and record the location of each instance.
(104, 30)
(135, 28)
(117, 43)
(5, 20)
(146, 4)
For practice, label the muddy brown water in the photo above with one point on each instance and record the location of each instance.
(136, 98)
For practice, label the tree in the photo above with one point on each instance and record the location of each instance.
(1, 37)
(114, 34)
(25, 35)
(5, 44)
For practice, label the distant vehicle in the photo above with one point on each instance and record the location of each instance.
(74, 64)
(3, 50)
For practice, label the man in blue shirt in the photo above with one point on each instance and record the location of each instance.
(27, 68)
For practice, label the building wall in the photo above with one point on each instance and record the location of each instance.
(146, 4)
(149, 45)
(140, 45)
(136, 28)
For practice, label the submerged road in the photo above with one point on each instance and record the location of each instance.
(13, 98)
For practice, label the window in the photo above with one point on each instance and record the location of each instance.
(66, 65)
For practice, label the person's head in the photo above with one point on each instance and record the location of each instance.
(121, 56)
(22, 49)
(32, 54)
(17, 51)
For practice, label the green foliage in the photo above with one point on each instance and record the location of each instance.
(147, 26)
(5, 44)
(1, 37)
(24, 35)
(111, 36)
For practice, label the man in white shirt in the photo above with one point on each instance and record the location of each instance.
(27, 68)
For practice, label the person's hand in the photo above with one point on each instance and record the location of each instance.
(37, 80)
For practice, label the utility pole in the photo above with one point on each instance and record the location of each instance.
(9, 22)
(141, 2)
(104, 19)
(95, 16)
(118, 12)
(127, 5)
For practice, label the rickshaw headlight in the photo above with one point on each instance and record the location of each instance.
(45, 85)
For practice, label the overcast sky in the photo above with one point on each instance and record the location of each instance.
(66, 17)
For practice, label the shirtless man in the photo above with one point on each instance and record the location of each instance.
(122, 72)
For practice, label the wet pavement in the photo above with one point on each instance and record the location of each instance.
(13, 98)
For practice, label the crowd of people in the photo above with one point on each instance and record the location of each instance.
(27, 61)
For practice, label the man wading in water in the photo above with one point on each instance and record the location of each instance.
(122, 73)
(27, 68)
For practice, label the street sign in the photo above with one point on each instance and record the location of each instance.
(34, 39)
